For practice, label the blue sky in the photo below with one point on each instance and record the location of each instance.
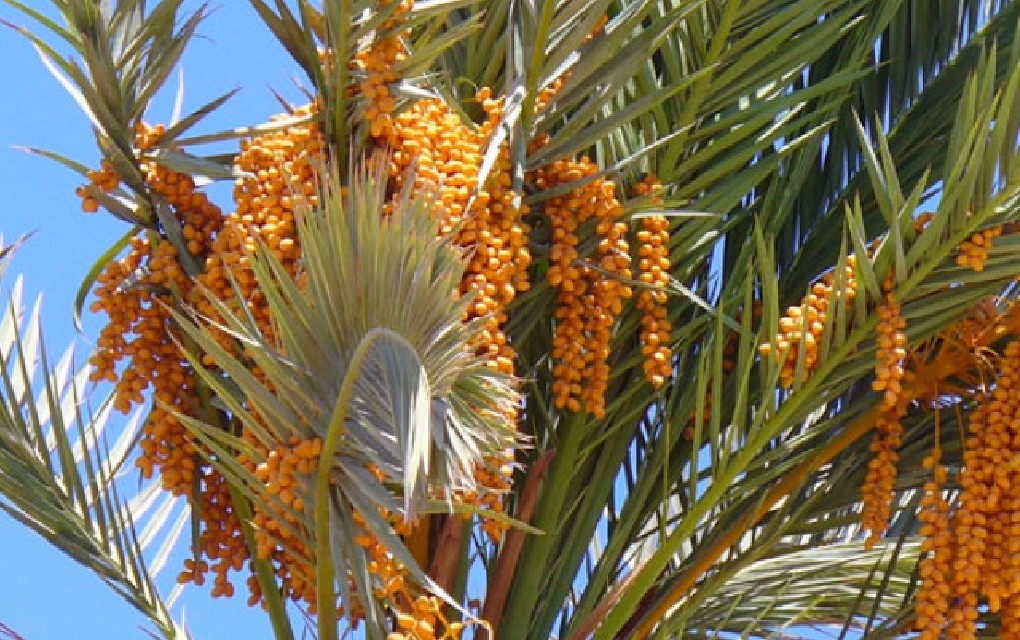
(43, 594)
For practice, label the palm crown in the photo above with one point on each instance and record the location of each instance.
(657, 319)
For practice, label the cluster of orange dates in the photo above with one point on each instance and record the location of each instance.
(442, 155)
(971, 550)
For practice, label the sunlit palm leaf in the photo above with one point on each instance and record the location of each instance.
(727, 479)
(378, 317)
(123, 57)
(59, 473)
(926, 314)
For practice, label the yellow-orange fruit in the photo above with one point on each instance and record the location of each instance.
(136, 292)
(653, 271)
(801, 328)
(985, 527)
(375, 65)
(486, 220)
(282, 170)
(285, 472)
(934, 569)
(590, 291)
(104, 179)
(879, 483)
(282, 167)
(974, 251)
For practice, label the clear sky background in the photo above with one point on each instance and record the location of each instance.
(43, 594)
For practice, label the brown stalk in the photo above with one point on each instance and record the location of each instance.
(443, 568)
(9, 633)
(594, 618)
(506, 565)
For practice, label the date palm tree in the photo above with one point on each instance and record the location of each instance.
(569, 318)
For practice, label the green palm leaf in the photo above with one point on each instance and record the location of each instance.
(62, 478)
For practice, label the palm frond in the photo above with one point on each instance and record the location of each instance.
(379, 308)
(60, 475)
(705, 489)
(122, 57)
(918, 127)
